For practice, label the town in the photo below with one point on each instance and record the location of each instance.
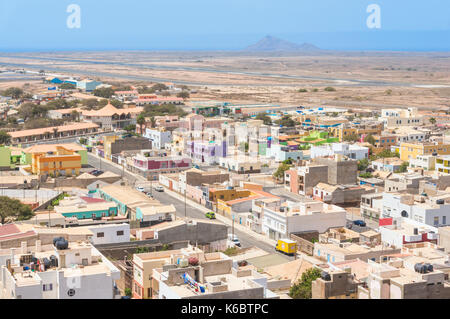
(119, 190)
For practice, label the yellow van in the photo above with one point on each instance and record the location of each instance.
(286, 246)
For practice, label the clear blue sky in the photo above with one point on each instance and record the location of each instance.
(223, 24)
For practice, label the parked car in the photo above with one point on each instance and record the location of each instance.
(234, 239)
(159, 189)
(96, 172)
(140, 188)
(210, 215)
(360, 223)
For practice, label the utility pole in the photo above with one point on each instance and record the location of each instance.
(185, 211)
(232, 228)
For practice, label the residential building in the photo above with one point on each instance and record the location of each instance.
(419, 272)
(340, 194)
(409, 151)
(425, 162)
(240, 164)
(340, 170)
(113, 145)
(352, 151)
(391, 164)
(158, 136)
(152, 166)
(208, 276)
(62, 162)
(88, 85)
(54, 132)
(335, 284)
(302, 179)
(432, 211)
(393, 118)
(69, 270)
(332, 252)
(110, 233)
(398, 232)
(371, 206)
(110, 117)
(280, 220)
(443, 164)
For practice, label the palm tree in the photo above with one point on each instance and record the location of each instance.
(141, 121)
(5, 138)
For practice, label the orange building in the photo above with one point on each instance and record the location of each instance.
(62, 162)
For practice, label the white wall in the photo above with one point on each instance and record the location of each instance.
(110, 233)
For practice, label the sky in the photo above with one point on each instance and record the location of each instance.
(39, 25)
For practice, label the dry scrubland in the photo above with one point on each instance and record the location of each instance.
(368, 80)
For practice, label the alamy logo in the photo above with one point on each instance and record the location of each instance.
(74, 19)
(374, 19)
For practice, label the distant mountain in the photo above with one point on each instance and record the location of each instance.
(269, 43)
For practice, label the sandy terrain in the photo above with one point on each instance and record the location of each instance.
(369, 80)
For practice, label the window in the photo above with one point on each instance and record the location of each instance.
(47, 287)
(120, 233)
(100, 235)
(444, 220)
(436, 221)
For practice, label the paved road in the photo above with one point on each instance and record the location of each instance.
(191, 212)
(245, 239)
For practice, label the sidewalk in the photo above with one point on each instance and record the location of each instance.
(223, 219)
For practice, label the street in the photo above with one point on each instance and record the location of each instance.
(191, 212)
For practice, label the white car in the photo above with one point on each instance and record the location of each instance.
(159, 189)
(234, 239)
(140, 188)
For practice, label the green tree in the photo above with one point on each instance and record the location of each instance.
(302, 91)
(184, 95)
(330, 89)
(13, 208)
(159, 87)
(370, 139)
(130, 128)
(363, 164)
(279, 173)
(263, 117)
(403, 168)
(433, 120)
(67, 86)
(351, 138)
(103, 92)
(5, 138)
(303, 288)
(286, 121)
(13, 92)
(128, 292)
(116, 103)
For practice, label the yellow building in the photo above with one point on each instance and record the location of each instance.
(225, 194)
(107, 141)
(62, 162)
(410, 151)
(344, 130)
(341, 132)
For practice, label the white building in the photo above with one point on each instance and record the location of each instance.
(278, 221)
(406, 231)
(352, 151)
(433, 211)
(393, 118)
(426, 162)
(45, 272)
(159, 137)
(110, 233)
